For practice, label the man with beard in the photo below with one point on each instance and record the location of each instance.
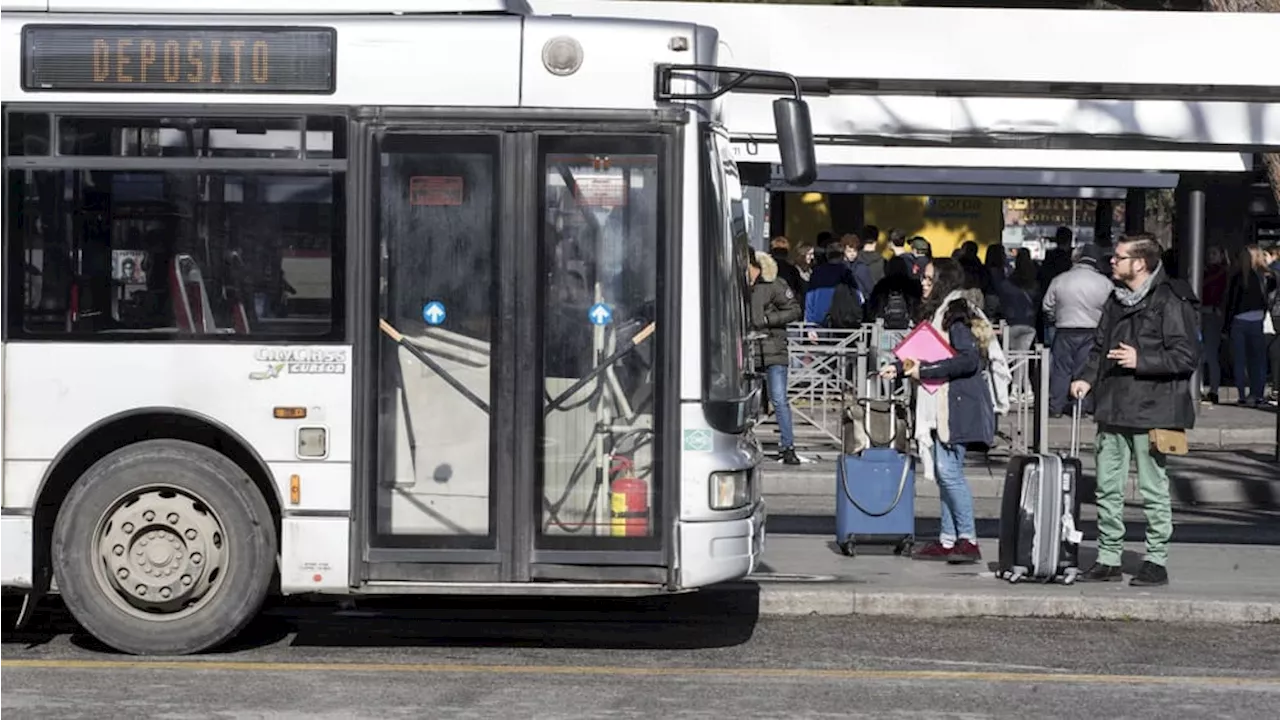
(1144, 354)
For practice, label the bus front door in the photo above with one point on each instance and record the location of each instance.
(518, 359)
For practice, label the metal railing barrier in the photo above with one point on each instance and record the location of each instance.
(827, 366)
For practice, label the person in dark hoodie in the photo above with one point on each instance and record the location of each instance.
(773, 307)
(896, 298)
(871, 257)
(834, 274)
(852, 246)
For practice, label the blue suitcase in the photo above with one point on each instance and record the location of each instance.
(876, 500)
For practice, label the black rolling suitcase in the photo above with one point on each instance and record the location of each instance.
(1038, 515)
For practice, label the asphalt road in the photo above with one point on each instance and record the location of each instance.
(695, 657)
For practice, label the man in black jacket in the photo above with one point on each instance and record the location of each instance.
(1144, 354)
(773, 306)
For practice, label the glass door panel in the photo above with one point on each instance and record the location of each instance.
(599, 223)
(439, 203)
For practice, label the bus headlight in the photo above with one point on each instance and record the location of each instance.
(730, 490)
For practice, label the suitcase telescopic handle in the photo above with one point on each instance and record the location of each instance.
(1076, 412)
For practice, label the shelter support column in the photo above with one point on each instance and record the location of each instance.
(846, 213)
(1193, 249)
(1193, 254)
(1135, 210)
(1102, 214)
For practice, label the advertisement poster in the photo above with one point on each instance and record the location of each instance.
(126, 267)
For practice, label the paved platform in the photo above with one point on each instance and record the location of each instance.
(1224, 566)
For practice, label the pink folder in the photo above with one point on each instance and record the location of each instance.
(925, 344)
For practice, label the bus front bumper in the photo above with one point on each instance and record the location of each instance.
(721, 550)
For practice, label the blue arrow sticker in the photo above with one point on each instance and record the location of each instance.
(599, 314)
(433, 312)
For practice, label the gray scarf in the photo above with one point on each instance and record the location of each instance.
(1129, 298)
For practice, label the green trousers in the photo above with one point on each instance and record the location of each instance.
(1114, 450)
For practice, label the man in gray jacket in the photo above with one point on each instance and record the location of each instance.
(773, 306)
(1073, 304)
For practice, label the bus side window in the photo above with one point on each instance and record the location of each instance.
(264, 247)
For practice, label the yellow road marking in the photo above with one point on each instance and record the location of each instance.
(620, 671)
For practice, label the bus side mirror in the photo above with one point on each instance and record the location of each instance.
(795, 141)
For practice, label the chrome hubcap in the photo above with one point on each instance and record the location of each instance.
(162, 550)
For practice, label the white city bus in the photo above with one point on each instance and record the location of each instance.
(345, 296)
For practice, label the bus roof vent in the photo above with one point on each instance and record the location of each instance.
(276, 7)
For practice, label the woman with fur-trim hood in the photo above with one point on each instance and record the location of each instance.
(961, 413)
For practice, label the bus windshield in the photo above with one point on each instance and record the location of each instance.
(725, 245)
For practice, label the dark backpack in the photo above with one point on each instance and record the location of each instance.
(895, 313)
(846, 307)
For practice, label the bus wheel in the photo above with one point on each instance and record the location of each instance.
(164, 548)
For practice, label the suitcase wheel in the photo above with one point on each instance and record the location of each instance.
(849, 548)
(1014, 575)
(905, 546)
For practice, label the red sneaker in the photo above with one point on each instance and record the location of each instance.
(931, 551)
(965, 552)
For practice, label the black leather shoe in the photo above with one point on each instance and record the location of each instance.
(1150, 575)
(788, 456)
(1102, 573)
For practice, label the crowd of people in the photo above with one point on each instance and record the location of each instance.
(863, 277)
(1127, 334)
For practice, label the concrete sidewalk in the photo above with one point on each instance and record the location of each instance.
(805, 575)
(1224, 566)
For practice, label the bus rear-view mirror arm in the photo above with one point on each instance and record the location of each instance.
(790, 114)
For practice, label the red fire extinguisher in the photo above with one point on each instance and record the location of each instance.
(628, 501)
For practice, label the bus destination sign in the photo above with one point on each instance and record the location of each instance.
(178, 59)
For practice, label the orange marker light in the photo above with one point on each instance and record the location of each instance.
(295, 489)
(289, 413)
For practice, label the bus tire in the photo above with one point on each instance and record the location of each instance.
(164, 547)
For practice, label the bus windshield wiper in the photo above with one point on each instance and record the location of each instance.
(426, 359)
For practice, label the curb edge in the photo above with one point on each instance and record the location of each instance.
(790, 600)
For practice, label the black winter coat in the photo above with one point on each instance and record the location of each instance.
(773, 306)
(1164, 328)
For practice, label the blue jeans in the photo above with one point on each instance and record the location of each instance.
(953, 490)
(777, 375)
(1249, 357)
